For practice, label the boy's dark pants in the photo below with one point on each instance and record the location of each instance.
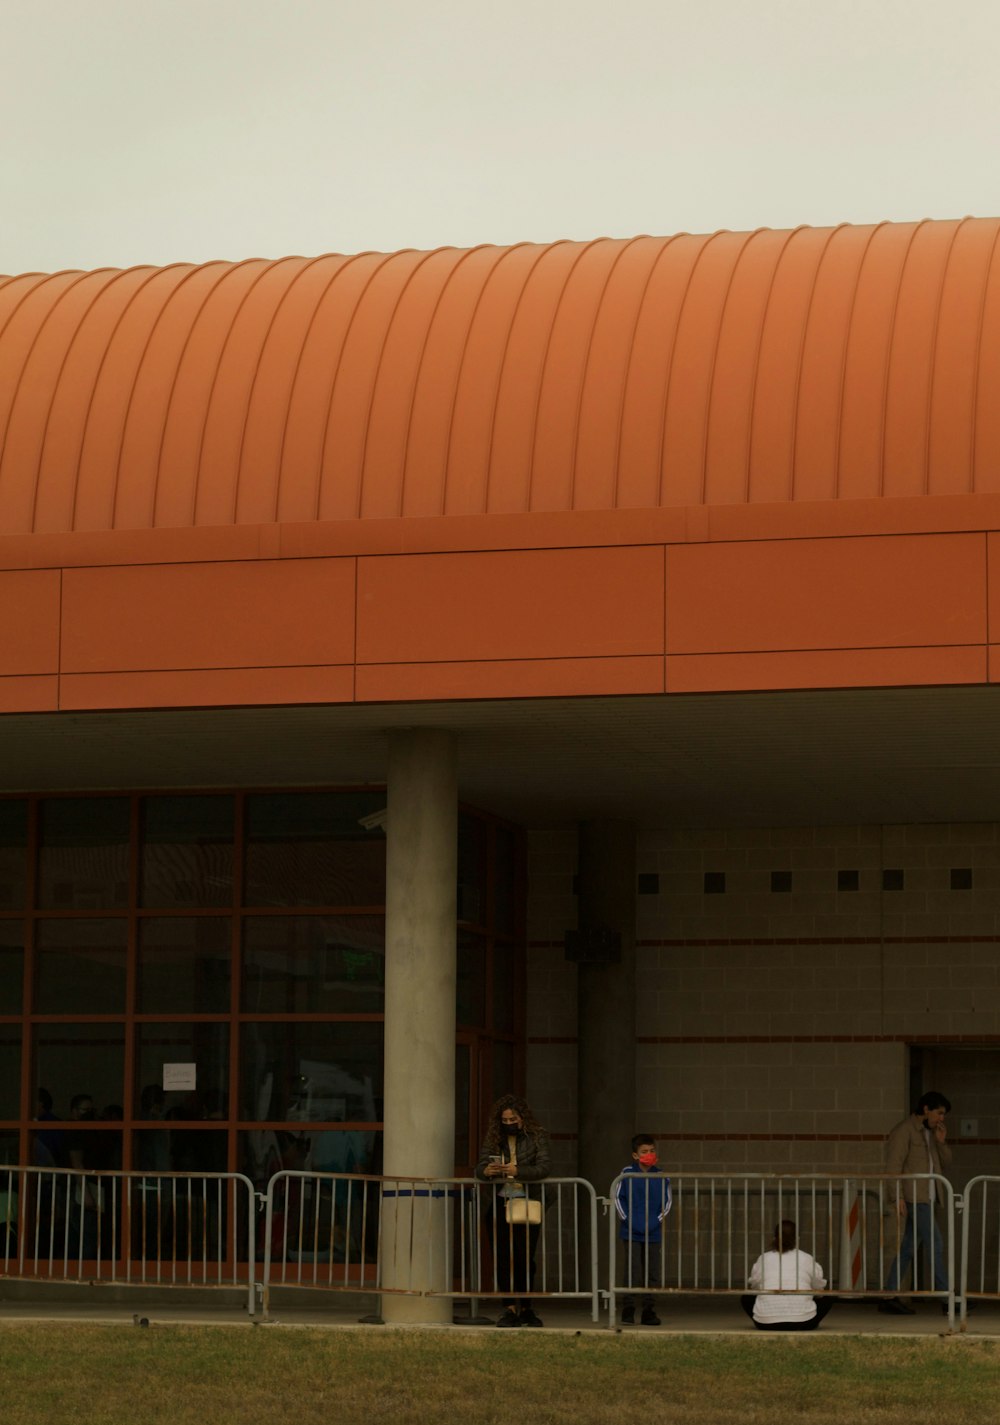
(642, 1266)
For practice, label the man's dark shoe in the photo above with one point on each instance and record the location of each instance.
(649, 1317)
(509, 1318)
(628, 1316)
(894, 1307)
(528, 1317)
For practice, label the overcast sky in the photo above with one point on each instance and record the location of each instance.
(154, 131)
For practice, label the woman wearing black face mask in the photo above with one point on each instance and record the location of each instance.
(514, 1155)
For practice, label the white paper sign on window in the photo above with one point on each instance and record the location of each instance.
(180, 1078)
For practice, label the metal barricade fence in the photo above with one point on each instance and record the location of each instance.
(118, 1228)
(717, 1226)
(980, 1250)
(447, 1237)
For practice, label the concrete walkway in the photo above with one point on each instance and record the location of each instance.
(680, 1314)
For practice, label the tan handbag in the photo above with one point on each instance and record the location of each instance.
(524, 1211)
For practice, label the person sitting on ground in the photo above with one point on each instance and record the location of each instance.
(783, 1277)
(642, 1201)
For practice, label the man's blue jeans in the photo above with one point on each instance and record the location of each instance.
(919, 1222)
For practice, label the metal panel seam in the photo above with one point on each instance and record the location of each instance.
(255, 283)
(378, 370)
(574, 462)
(19, 383)
(756, 361)
(503, 253)
(849, 325)
(502, 366)
(587, 247)
(664, 404)
(156, 271)
(366, 288)
(974, 414)
(308, 265)
(227, 270)
(418, 372)
(626, 375)
(884, 404)
(709, 401)
(797, 398)
(295, 376)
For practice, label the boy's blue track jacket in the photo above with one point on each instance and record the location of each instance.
(642, 1201)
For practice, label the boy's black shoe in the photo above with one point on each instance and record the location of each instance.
(509, 1318)
(528, 1317)
(894, 1307)
(649, 1317)
(628, 1316)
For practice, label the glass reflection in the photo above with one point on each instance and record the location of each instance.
(503, 1068)
(506, 880)
(187, 851)
(310, 849)
(80, 966)
(503, 987)
(13, 854)
(83, 853)
(471, 869)
(11, 966)
(184, 965)
(10, 1070)
(202, 1049)
(471, 980)
(314, 964)
(74, 1059)
(309, 1072)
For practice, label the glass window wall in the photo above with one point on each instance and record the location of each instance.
(241, 935)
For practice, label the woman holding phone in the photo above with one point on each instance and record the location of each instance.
(514, 1155)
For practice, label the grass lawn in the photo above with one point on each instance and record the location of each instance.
(218, 1375)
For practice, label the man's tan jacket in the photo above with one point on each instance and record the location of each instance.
(906, 1152)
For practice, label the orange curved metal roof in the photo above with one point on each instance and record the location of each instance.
(815, 364)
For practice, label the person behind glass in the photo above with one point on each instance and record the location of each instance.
(783, 1277)
(642, 1201)
(87, 1203)
(49, 1149)
(914, 1148)
(153, 1225)
(515, 1153)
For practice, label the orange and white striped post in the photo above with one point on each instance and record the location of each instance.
(850, 1238)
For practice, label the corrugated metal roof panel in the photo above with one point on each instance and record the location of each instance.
(816, 364)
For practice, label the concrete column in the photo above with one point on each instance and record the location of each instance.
(420, 972)
(606, 886)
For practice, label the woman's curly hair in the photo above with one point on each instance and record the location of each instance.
(495, 1133)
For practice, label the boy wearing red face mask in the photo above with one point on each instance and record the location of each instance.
(642, 1201)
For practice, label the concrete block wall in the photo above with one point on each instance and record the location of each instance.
(774, 1026)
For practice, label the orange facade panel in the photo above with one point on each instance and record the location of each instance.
(524, 604)
(29, 621)
(906, 591)
(825, 668)
(533, 678)
(264, 614)
(993, 567)
(210, 687)
(27, 694)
